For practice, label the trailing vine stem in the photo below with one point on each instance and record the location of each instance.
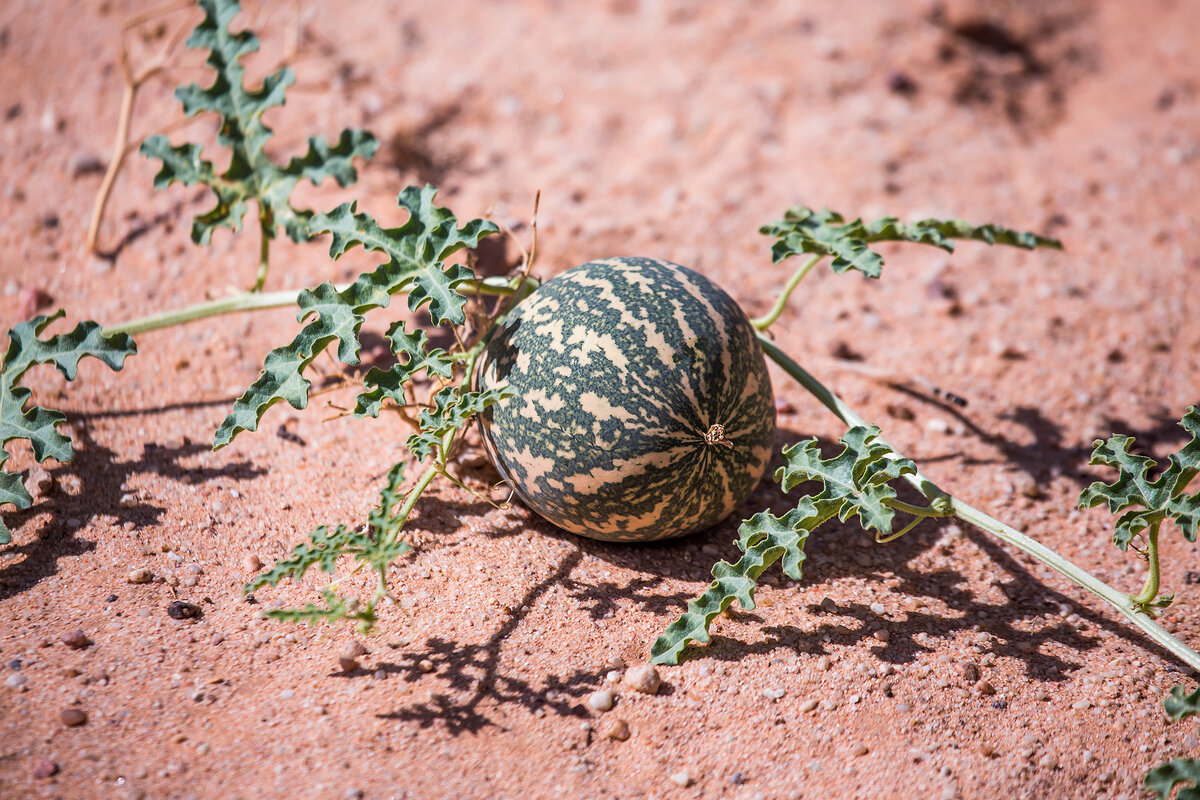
(1149, 592)
(256, 300)
(942, 500)
(768, 319)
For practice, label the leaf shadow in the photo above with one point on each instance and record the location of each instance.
(102, 479)
(473, 679)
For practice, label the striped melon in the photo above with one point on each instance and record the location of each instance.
(641, 405)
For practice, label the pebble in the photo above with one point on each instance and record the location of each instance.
(140, 575)
(72, 717)
(643, 678)
(84, 163)
(601, 700)
(129, 500)
(773, 693)
(878, 609)
(823, 663)
(830, 606)
(425, 665)
(861, 749)
(252, 563)
(970, 673)
(617, 730)
(985, 688)
(182, 609)
(1081, 705)
(808, 705)
(16, 681)
(76, 640)
(882, 635)
(681, 778)
(45, 768)
(348, 659)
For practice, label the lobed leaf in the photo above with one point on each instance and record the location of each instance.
(251, 174)
(417, 249)
(374, 544)
(39, 425)
(764, 538)
(826, 233)
(855, 481)
(453, 408)
(1181, 773)
(1143, 502)
(414, 355)
(1181, 705)
(336, 609)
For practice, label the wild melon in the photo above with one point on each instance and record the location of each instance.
(641, 407)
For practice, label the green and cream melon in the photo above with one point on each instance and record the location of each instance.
(641, 407)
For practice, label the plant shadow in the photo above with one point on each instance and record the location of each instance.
(101, 480)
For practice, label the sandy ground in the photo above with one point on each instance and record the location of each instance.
(665, 129)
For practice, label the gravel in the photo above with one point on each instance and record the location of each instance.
(76, 640)
(140, 575)
(73, 717)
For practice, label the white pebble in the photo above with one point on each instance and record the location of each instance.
(140, 575)
(643, 678)
(681, 778)
(878, 608)
(601, 700)
(15, 681)
(808, 705)
(773, 693)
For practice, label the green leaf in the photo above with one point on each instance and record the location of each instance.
(764, 538)
(251, 174)
(1181, 705)
(826, 233)
(1178, 772)
(453, 408)
(414, 355)
(39, 425)
(374, 544)
(1143, 502)
(336, 609)
(855, 481)
(417, 249)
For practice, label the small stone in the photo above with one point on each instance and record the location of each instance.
(615, 662)
(878, 609)
(73, 717)
(425, 665)
(86, 164)
(252, 563)
(823, 663)
(128, 500)
(970, 673)
(829, 606)
(1081, 705)
(808, 705)
(773, 693)
(617, 730)
(140, 575)
(76, 640)
(182, 609)
(45, 768)
(643, 678)
(348, 659)
(601, 700)
(16, 681)
(882, 635)
(681, 778)
(985, 688)
(861, 749)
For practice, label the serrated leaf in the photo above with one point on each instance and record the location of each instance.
(855, 481)
(413, 356)
(251, 174)
(1180, 705)
(764, 538)
(826, 233)
(373, 544)
(452, 409)
(39, 425)
(1181, 773)
(1143, 502)
(336, 609)
(417, 250)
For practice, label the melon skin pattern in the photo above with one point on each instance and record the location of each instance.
(641, 408)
